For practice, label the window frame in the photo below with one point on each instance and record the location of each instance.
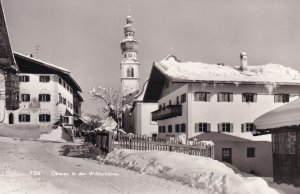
(44, 97)
(44, 78)
(183, 98)
(249, 97)
(170, 129)
(24, 78)
(281, 98)
(225, 97)
(25, 99)
(202, 96)
(251, 152)
(44, 118)
(24, 118)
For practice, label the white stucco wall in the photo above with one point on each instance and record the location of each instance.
(143, 124)
(34, 87)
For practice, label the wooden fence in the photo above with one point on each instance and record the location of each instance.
(138, 142)
(106, 142)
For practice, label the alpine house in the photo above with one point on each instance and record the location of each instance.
(220, 103)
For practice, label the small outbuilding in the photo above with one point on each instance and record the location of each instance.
(284, 125)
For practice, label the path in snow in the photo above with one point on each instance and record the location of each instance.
(25, 157)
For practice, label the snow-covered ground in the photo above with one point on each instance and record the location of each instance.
(55, 135)
(36, 167)
(206, 174)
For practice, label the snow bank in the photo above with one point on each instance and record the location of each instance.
(212, 72)
(55, 135)
(204, 173)
(13, 182)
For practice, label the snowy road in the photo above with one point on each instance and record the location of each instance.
(41, 160)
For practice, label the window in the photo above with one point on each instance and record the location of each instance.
(64, 101)
(170, 102)
(65, 119)
(202, 127)
(24, 118)
(225, 97)
(24, 78)
(163, 129)
(159, 129)
(281, 98)
(177, 100)
(202, 96)
(130, 72)
(64, 84)
(249, 97)
(60, 81)
(44, 118)
(60, 98)
(177, 128)
(247, 127)
(44, 78)
(44, 97)
(251, 152)
(170, 129)
(25, 97)
(71, 90)
(225, 127)
(183, 127)
(183, 98)
(71, 106)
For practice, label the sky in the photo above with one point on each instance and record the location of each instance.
(84, 36)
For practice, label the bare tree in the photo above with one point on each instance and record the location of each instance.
(113, 100)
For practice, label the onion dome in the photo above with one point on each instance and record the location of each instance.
(130, 45)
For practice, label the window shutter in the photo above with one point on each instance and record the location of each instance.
(231, 127)
(276, 97)
(219, 97)
(230, 97)
(40, 117)
(208, 97)
(48, 117)
(196, 127)
(196, 96)
(28, 118)
(219, 127)
(48, 97)
(40, 97)
(243, 98)
(243, 127)
(20, 116)
(208, 127)
(254, 97)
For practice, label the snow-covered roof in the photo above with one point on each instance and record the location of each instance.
(284, 116)
(198, 71)
(28, 64)
(43, 62)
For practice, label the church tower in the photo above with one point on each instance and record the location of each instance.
(129, 64)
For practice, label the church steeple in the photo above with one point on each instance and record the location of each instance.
(129, 64)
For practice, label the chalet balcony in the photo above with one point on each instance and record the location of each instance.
(167, 112)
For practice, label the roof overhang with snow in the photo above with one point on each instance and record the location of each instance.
(30, 65)
(284, 118)
(176, 71)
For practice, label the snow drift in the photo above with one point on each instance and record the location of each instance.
(204, 173)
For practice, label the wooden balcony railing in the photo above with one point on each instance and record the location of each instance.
(167, 112)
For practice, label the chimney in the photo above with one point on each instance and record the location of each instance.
(244, 59)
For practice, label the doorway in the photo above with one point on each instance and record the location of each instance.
(11, 118)
(227, 155)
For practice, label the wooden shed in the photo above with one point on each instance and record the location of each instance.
(284, 125)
